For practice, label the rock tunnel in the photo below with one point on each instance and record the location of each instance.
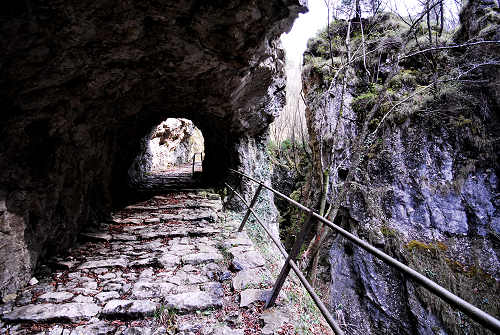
(81, 83)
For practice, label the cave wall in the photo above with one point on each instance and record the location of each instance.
(426, 190)
(81, 83)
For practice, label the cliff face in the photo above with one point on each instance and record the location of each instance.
(426, 188)
(82, 83)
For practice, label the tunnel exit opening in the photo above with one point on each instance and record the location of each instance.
(171, 157)
(176, 144)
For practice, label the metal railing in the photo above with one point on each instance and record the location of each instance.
(194, 158)
(473, 312)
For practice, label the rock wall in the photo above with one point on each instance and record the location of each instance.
(82, 83)
(426, 190)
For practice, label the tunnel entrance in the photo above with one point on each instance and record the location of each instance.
(171, 158)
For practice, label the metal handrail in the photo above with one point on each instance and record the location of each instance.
(475, 313)
(302, 278)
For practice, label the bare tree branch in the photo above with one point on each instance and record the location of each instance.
(449, 47)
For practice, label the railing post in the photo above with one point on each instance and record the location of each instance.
(194, 160)
(254, 200)
(231, 196)
(306, 228)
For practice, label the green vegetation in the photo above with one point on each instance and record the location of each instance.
(387, 232)
(291, 222)
(167, 317)
(405, 79)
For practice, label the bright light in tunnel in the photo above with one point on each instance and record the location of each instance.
(170, 157)
(174, 143)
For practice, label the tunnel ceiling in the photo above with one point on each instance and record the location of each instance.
(116, 61)
(81, 82)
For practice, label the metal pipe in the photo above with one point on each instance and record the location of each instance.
(295, 268)
(274, 239)
(316, 299)
(294, 252)
(299, 205)
(247, 215)
(475, 313)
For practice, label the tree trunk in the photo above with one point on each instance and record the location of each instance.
(441, 9)
(428, 15)
(315, 243)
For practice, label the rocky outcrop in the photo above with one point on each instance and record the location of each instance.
(425, 190)
(81, 83)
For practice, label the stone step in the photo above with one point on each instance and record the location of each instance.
(105, 263)
(129, 309)
(96, 237)
(124, 278)
(193, 301)
(69, 312)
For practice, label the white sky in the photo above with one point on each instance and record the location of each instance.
(304, 27)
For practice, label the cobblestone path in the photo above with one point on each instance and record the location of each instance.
(169, 265)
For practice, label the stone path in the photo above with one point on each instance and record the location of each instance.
(168, 265)
(175, 178)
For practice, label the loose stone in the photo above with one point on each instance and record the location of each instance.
(191, 301)
(202, 257)
(130, 308)
(55, 297)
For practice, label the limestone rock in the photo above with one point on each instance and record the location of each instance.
(119, 262)
(72, 312)
(191, 301)
(129, 308)
(83, 299)
(15, 260)
(250, 278)
(429, 183)
(98, 237)
(144, 289)
(169, 260)
(273, 320)
(247, 260)
(228, 331)
(202, 257)
(57, 330)
(98, 328)
(238, 239)
(251, 295)
(55, 297)
(105, 296)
